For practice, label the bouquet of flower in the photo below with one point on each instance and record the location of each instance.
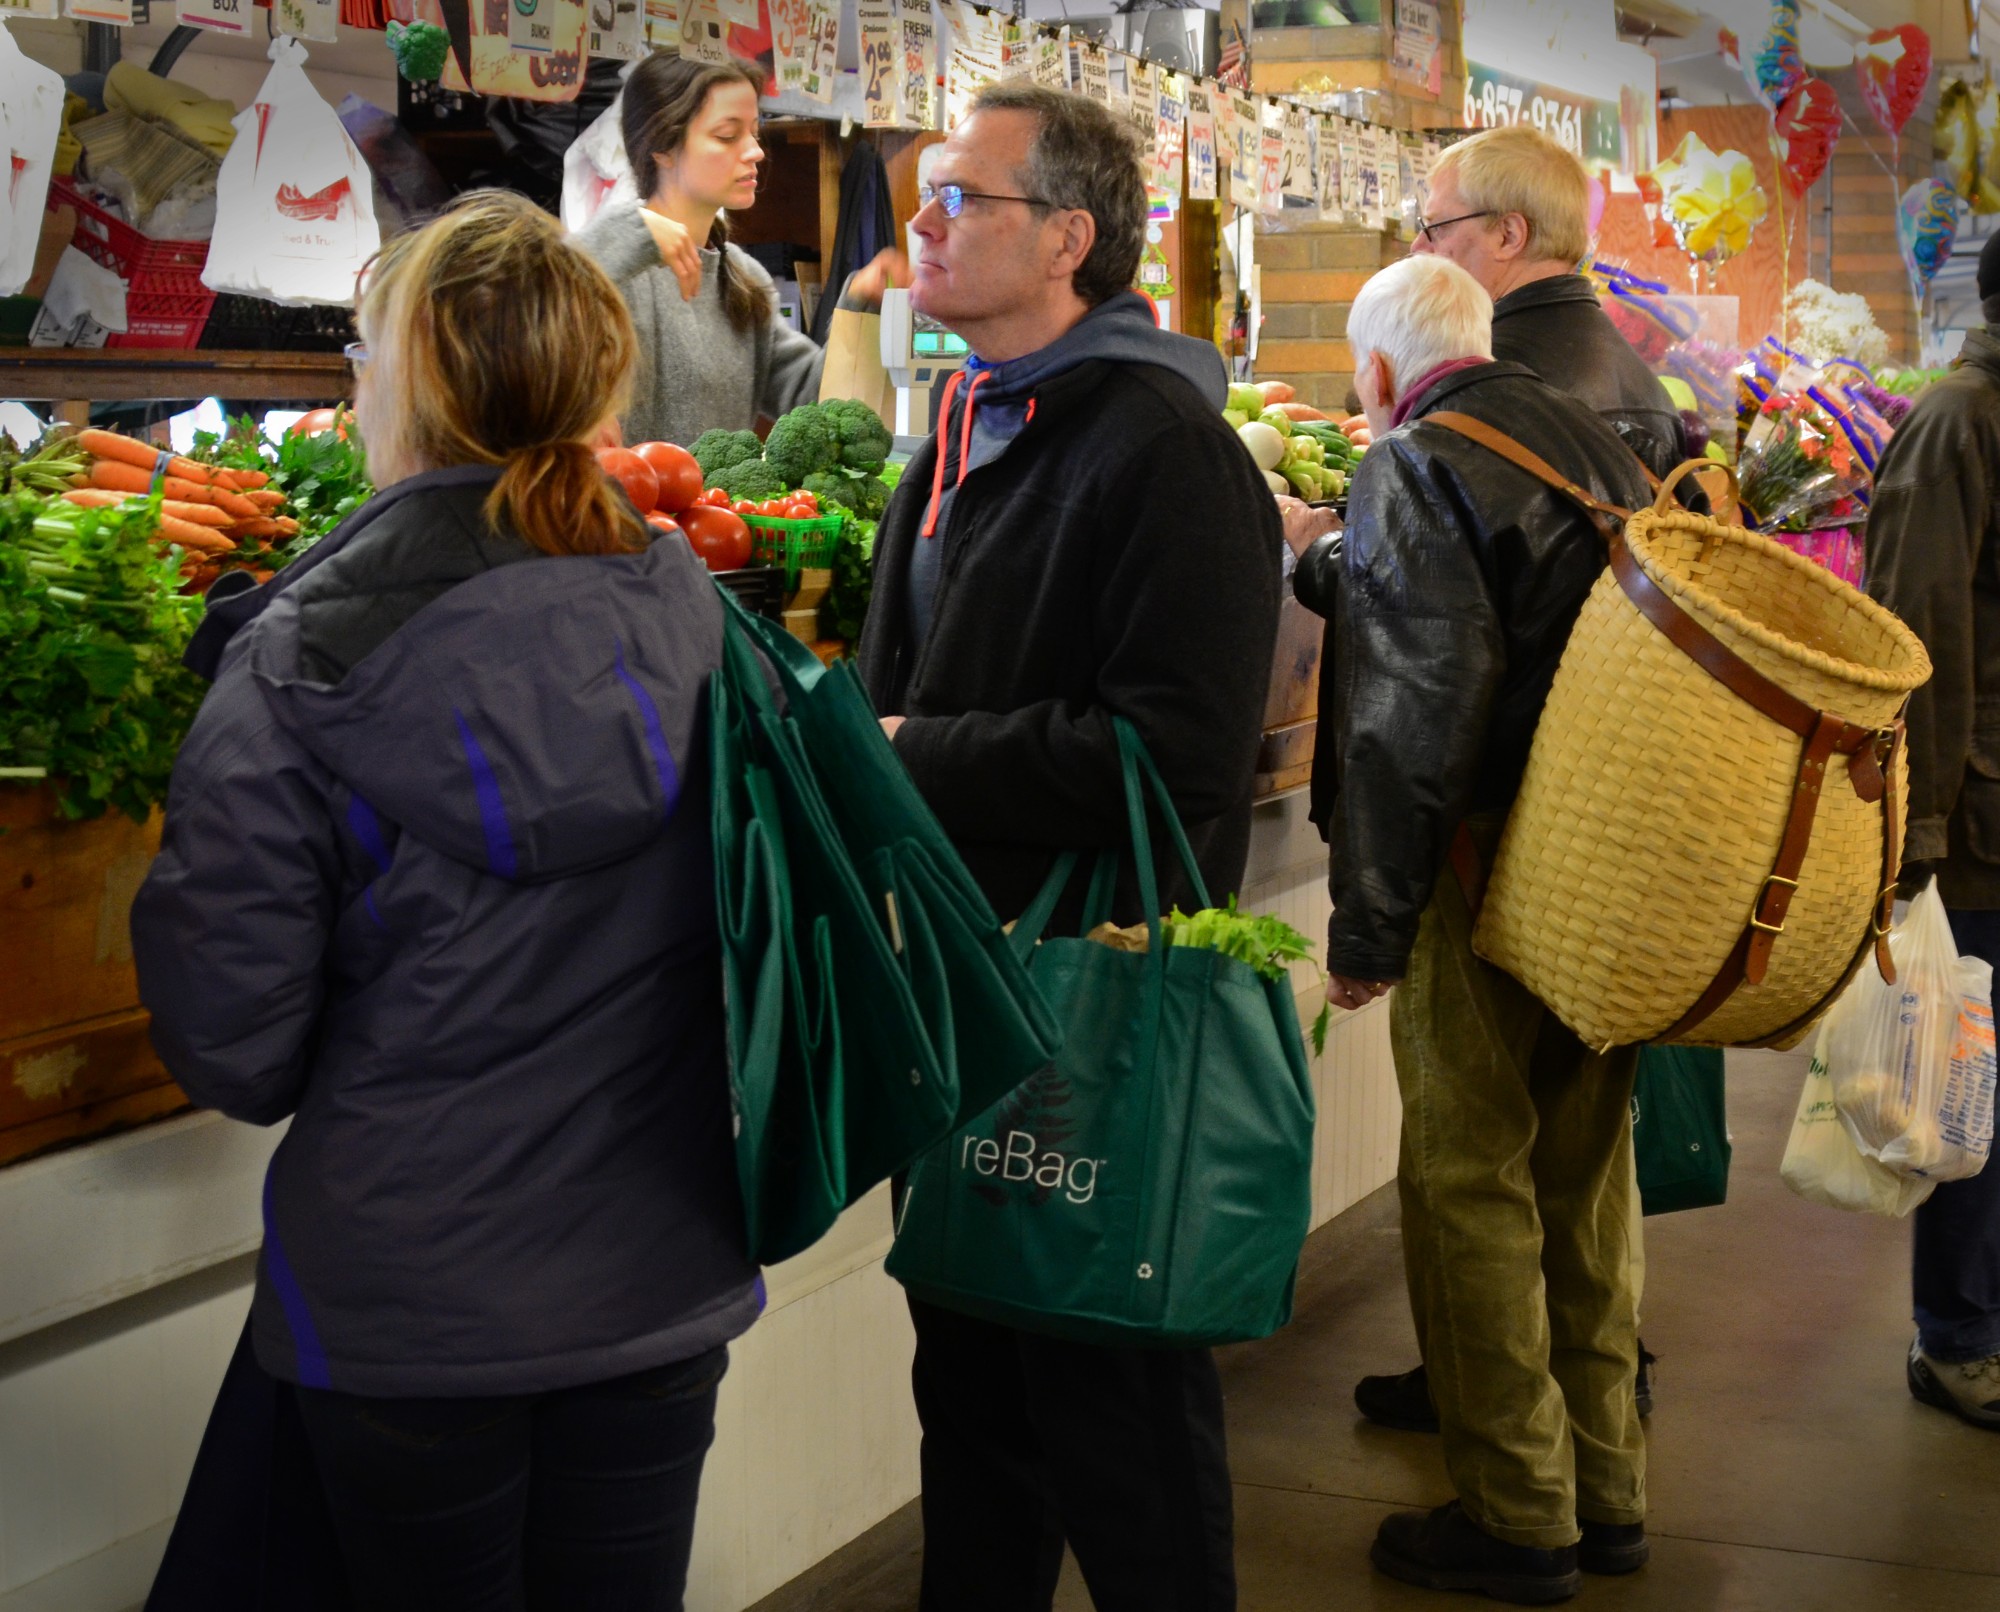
(1795, 467)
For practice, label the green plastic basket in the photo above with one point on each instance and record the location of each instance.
(797, 545)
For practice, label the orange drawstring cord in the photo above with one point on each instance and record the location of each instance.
(944, 426)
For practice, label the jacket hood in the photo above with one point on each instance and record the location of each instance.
(1982, 347)
(1122, 330)
(534, 721)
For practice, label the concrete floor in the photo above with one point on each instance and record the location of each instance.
(1790, 1469)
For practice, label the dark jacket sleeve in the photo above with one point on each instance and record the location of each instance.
(230, 928)
(1418, 628)
(1187, 613)
(1934, 500)
(1316, 578)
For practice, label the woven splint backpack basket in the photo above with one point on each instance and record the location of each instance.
(1708, 832)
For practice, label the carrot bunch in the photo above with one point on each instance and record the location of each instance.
(209, 511)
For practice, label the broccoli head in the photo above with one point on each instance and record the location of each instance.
(864, 440)
(718, 450)
(866, 496)
(801, 443)
(754, 479)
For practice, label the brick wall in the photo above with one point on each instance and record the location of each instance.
(1866, 257)
(1311, 274)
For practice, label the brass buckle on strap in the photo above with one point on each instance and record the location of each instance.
(1763, 895)
(1885, 902)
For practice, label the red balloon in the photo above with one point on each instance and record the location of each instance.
(1894, 66)
(1804, 133)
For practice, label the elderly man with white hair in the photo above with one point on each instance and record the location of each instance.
(1449, 601)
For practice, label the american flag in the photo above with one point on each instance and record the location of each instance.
(1233, 69)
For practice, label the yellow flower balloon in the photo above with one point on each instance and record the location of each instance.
(1711, 198)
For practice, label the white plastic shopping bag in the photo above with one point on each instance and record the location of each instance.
(1912, 1064)
(31, 102)
(595, 172)
(294, 203)
(1822, 1164)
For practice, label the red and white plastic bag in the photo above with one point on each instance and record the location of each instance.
(31, 102)
(295, 202)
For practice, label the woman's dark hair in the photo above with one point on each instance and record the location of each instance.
(663, 97)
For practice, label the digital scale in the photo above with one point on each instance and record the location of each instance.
(919, 354)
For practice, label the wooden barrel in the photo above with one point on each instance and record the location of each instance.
(75, 1060)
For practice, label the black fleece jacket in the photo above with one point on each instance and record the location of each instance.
(1121, 556)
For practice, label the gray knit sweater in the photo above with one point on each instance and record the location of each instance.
(696, 372)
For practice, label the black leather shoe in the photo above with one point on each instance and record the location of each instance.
(1611, 1548)
(1446, 1550)
(1403, 1403)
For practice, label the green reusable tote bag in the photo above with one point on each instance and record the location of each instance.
(1152, 1185)
(872, 996)
(1680, 1136)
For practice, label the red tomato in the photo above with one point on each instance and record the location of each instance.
(805, 497)
(632, 473)
(743, 506)
(719, 537)
(799, 510)
(717, 498)
(770, 506)
(663, 521)
(679, 475)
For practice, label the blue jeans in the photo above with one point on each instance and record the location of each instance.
(577, 1501)
(1956, 1282)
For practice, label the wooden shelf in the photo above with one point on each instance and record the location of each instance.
(139, 374)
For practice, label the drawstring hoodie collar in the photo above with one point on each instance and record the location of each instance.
(1123, 329)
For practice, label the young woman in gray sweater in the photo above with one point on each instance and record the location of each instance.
(712, 351)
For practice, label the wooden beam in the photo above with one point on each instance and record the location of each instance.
(139, 374)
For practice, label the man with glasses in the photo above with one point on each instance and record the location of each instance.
(1512, 208)
(1084, 538)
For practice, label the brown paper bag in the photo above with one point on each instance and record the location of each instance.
(854, 362)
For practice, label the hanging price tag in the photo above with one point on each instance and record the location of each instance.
(1246, 132)
(218, 16)
(1201, 170)
(1327, 139)
(1296, 177)
(617, 29)
(1095, 67)
(1051, 68)
(1352, 189)
(1144, 86)
(1271, 157)
(113, 13)
(919, 81)
(531, 26)
(881, 61)
(1170, 132)
(1119, 78)
(1371, 180)
(704, 35)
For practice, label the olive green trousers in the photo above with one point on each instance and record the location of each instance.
(1517, 1185)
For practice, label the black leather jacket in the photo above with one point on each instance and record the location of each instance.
(1449, 600)
(1557, 328)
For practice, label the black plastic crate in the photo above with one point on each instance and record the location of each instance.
(254, 325)
(760, 589)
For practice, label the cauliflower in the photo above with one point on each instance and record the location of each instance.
(864, 440)
(754, 479)
(801, 443)
(718, 450)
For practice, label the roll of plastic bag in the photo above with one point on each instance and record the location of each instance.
(31, 101)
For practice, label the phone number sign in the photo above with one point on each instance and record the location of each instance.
(1589, 128)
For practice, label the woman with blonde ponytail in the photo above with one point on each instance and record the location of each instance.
(435, 885)
(713, 354)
